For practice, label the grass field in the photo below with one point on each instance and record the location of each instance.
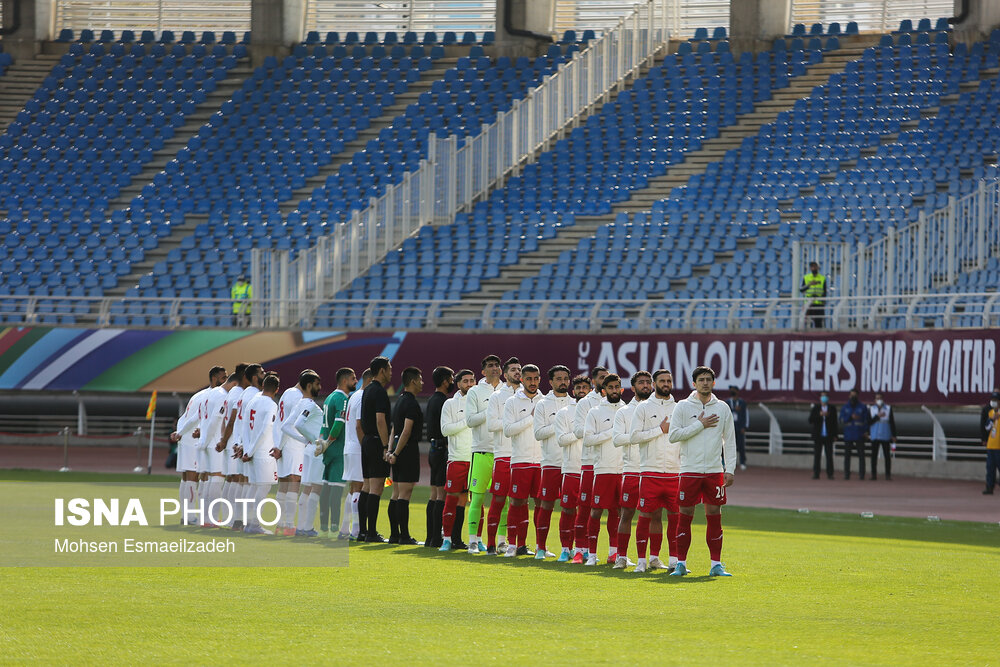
(808, 589)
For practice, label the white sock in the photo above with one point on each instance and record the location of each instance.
(311, 510)
(200, 490)
(673, 561)
(355, 519)
(577, 550)
(345, 515)
(642, 561)
(303, 502)
(215, 486)
(260, 491)
(681, 562)
(287, 509)
(716, 562)
(612, 553)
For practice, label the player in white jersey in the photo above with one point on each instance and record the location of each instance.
(642, 387)
(289, 447)
(597, 436)
(254, 375)
(353, 474)
(231, 408)
(496, 520)
(217, 377)
(583, 406)
(552, 454)
(308, 424)
(569, 492)
(525, 458)
(659, 464)
(213, 415)
(261, 417)
(483, 443)
(456, 484)
(188, 437)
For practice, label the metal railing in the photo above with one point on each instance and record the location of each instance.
(877, 313)
(600, 15)
(401, 16)
(118, 15)
(923, 256)
(871, 16)
(459, 172)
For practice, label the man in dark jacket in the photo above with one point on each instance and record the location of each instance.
(854, 418)
(823, 419)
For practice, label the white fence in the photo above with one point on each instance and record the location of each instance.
(971, 310)
(871, 16)
(928, 254)
(459, 172)
(118, 15)
(401, 16)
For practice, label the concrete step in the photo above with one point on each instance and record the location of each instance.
(18, 85)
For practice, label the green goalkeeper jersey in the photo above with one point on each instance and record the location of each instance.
(334, 417)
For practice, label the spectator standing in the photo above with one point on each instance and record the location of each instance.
(823, 418)
(241, 293)
(854, 418)
(991, 432)
(814, 288)
(741, 421)
(882, 430)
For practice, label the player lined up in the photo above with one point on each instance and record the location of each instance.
(578, 444)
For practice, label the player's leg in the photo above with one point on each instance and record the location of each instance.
(583, 515)
(549, 492)
(688, 497)
(455, 482)
(627, 506)
(613, 518)
(403, 512)
(480, 481)
(498, 507)
(714, 496)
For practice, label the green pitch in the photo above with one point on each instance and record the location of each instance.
(808, 589)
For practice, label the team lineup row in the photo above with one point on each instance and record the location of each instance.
(580, 444)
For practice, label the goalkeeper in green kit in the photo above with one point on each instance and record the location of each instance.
(481, 470)
(334, 417)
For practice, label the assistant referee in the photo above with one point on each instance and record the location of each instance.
(375, 417)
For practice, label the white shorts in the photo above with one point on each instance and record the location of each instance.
(262, 469)
(228, 462)
(352, 468)
(312, 466)
(290, 462)
(187, 458)
(214, 461)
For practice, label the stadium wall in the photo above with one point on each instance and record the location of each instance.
(919, 367)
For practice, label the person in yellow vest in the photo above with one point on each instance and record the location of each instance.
(814, 288)
(241, 294)
(991, 433)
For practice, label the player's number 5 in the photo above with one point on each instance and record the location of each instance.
(252, 414)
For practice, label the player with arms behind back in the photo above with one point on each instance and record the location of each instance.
(703, 426)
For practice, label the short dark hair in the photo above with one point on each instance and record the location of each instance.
(490, 357)
(252, 370)
(581, 379)
(440, 374)
(462, 373)
(231, 378)
(343, 373)
(660, 371)
(410, 373)
(240, 370)
(512, 360)
(271, 382)
(556, 369)
(596, 370)
(377, 364)
(307, 377)
(640, 374)
(530, 368)
(701, 370)
(609, 378)
(366, 375)
(215, 371)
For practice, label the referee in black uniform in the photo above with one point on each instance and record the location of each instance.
(444, 383)
(404, 455)
(375, 421)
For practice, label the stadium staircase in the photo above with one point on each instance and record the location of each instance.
(19, 83)
(192, 220)
(695, 162)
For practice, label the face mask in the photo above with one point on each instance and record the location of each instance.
(880, 402)
(993, 404)
(824, 400)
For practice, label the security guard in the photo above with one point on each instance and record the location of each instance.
(814, 287)
(241, 294)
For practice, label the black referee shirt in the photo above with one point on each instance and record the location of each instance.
(374, 400)
(433, 415)
(408, 408)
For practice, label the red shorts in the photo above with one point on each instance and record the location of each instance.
(630, 491)
(457, 480)
(586, 485)
(570, 491)
(607, 491)
(551, 482)
(525, 480)
(697, 488)
(658, 490)
(501, 477)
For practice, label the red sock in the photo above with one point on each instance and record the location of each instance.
(522, 532)
(613, 520)
(542, 526)
(642, 535)
(593, 532)
(481, 512)
(567, 524)
(684, 536)
(713, 536)
(493, 521)
(534, 514)
(655, 541)
(673, 519)
(582, 523)
(448, 517)
(622, 543)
